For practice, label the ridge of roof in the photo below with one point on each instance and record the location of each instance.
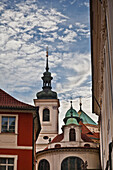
(7, 101)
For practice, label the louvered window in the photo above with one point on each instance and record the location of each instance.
(46, 115)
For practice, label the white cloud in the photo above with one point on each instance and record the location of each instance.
(72, 2)
(52, 28)
(78, 24)
(86, 4)
(69, 37)
(82, 29)
(25, 33)
(70, 26)
(13, 45)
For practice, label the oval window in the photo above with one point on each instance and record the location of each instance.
(45, 137)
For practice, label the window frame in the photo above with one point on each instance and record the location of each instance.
(16, 123)
(48, 115)
(66, 163)
(72, 135)
(43, 161)
(8, 126)
(15, 157)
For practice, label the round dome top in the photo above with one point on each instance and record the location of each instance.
(46, 94)
(71, 113)
(72, 121)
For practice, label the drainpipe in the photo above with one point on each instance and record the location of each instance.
(101, 127)
(36, 116)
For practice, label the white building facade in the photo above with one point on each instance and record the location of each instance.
(75, 148)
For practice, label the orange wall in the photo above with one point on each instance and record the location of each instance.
(25, 129)
(24, 161)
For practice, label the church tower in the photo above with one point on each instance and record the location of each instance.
(48, 110)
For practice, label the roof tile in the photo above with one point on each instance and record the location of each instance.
(58, 138)
(7, 100)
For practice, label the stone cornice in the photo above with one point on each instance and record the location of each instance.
(67, 149)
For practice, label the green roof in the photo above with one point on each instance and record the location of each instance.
(86, 119)
(72, 121)
(71, 113)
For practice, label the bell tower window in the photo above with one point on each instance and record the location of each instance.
(46, 115)
(72, 135)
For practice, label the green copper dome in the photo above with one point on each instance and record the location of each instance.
(71, 116)
(71, 113)
(85, 118)
(72, 121)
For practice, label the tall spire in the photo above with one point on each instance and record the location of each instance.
(47, 93)
(80, 103)
(47, 67)
(71, 109)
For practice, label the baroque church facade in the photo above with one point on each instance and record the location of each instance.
(77, 147)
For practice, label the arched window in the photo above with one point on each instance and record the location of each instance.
(72, 135)
(72, 163)
(46, 115)
(43, 165)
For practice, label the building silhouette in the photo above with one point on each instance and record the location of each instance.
(77, 147)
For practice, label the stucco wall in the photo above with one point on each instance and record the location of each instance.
(48, 128)
(55, 157)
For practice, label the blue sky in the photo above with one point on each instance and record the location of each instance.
(27, 27)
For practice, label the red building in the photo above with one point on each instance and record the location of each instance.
(19, 129)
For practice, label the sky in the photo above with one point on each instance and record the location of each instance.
(27, 27)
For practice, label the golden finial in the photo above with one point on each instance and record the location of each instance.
(47, 51)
